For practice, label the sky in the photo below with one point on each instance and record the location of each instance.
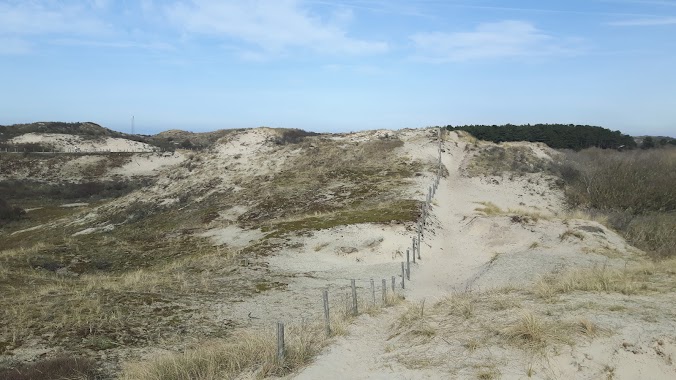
(339, 66)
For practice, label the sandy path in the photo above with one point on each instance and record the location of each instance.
(363, 354)
(463, 250)
(449, 260)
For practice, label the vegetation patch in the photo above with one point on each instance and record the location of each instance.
(496, 160)
(58, 368)
(632, 190)
(560, 136)
(537, 320)
(9, 213)
(397, 212)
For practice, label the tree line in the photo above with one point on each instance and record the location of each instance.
(559, 136)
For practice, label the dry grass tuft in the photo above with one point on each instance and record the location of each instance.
(489, 209)
(578, 214)
(488, 373)
(532, 332)
(632, 280)
(461, 304)
(515, 215)
(588, 328)
(571, 233)
(249, 352)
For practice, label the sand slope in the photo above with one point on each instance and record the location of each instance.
(466, 251)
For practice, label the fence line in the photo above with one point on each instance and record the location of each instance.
(351, 303)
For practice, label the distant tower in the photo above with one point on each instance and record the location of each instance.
(132, 125)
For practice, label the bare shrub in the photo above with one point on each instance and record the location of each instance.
(292, 136)
(654, 232)
(636, 182)
(635, 190)
(53, 369)
(8, 212)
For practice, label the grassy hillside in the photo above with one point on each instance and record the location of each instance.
(168, 140)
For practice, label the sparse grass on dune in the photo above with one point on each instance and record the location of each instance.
(243, 353)
(397, 211)
(251, 353)
(143, 281)
(635, 279)
(535, 333)
(532, 322)
(104, 309)
(516, 215)
(498, 159)
(331, 179)
(631, 192)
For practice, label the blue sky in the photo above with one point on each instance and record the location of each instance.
(348, 65)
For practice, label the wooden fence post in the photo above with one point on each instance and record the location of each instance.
(373, 292)
(408, 265)
(280, 343)
(327, 319)
(403, 276)
(354, 298)
(393, 287)
(384, 291)
(418, 245)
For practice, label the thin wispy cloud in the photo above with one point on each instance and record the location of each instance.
(117, 44)
(21, 23)
(645, 22)
(39, 18)
(272, 27)
(489, 41)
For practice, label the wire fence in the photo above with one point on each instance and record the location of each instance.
(366, 295)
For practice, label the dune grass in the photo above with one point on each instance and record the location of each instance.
(532, 322)
(251, 353)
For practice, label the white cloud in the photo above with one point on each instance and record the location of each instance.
(273, 26)
(35, 18)
(646, 22)
(118, 44)
(505, 39)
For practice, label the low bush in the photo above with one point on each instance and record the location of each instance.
(634, 190)
(59, 368)
(636, 182)
(8, 212)
(293, 136)
(29, 189)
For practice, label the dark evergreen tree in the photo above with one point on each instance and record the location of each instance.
(560, 136)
